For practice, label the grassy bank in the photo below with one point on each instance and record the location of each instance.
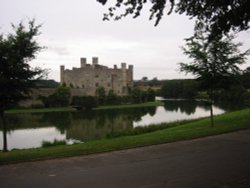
(146, 104)
(69, 109)
(227, 122)
(39, 110)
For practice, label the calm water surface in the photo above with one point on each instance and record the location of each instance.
(29, 130)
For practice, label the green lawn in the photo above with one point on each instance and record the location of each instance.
(224, 123)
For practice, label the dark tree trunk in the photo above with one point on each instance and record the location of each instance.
(5, 149)
(211, 103)
(211, 114)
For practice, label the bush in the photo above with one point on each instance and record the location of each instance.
(85, 102)
(112, 98)
(150, 95)
(54, 143)
(37, 106)
(101, 95)
(60, 98)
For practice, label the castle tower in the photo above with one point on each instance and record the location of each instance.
(124, 78)
(130, 74)
(94, 61)
(83, 62)
(62, 68)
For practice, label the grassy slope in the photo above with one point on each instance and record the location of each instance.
(223, 123)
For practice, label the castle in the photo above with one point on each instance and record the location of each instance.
(86, 79)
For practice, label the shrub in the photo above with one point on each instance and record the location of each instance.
(60, 98)
(54, 143)
(150, 95)
(85, 102)
(112, 98)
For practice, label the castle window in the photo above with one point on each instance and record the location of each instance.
(96, 75)
(108, 84)
(96, 84)
(82, 86)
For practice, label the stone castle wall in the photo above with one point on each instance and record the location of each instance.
(35, 97)
(89, 77)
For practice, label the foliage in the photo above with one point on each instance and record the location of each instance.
(150, 95)
(60, 98)
(215, 63)
(135, 96)
(101, 95)
(234, 93)
(112, 98)
(246, 78)
(85, 102)
(54, 143)
(219, 16)
(46, 84)
(16, 75)
(179, 89)
(154, 82)
(247, 98)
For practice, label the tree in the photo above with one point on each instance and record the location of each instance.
(150, 95)
(171, 89)
(154, 82)
(246, 78)
(136, 95)
(214, 62)
(144, 79)
(179, 89)
(101, 95)
(112, 98)
(219, 16)
(16, 75)
(60, 98)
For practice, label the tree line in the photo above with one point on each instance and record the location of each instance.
(62, 97)
(192, 88)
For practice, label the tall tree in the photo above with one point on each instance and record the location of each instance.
(246, 78)
(16, 75)
(220, 16)
(214, 62)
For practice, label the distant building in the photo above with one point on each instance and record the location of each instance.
(86, 79)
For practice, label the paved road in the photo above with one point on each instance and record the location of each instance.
(217, 161)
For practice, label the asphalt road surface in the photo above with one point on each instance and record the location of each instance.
(217, 161)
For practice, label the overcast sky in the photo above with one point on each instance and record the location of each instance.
(74, 29)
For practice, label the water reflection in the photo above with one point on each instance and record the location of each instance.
(174, 110)
(29, 130)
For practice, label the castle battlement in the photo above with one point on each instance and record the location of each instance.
(88, 77)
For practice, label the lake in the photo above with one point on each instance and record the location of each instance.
(29, 130)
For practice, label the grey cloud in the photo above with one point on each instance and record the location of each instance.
(61, 51)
